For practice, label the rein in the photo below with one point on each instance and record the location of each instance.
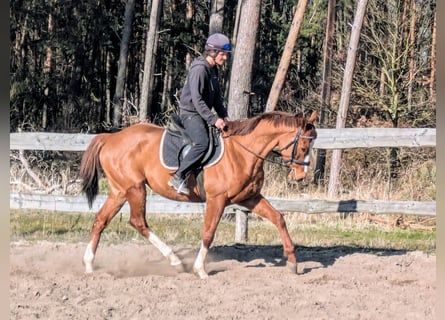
(282, 163)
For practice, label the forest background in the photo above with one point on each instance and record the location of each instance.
(95, 66)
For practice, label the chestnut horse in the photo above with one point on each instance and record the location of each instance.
(130, 161)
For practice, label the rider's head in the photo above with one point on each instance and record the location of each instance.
(218, 47)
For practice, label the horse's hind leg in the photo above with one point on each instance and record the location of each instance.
(109, 209)
(136, 197)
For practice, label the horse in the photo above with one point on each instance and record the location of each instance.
(130, 161)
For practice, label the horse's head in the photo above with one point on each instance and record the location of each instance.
(292, 135)
(295, 148)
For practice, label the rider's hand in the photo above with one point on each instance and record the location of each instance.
(220, 124)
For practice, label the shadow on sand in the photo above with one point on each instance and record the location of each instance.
(321, 257)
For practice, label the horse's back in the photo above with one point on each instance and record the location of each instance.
(141, 133)
(131, 147)
(138, 129)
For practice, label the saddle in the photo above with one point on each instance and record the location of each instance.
(175, 144)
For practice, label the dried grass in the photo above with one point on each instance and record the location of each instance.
(365, 175)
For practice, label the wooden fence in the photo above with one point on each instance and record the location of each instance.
(327, 139)
(346, 138)
(158, 204)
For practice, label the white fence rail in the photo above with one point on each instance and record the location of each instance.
(158, 204)
(346, 138)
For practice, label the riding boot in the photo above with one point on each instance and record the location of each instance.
(179, 184)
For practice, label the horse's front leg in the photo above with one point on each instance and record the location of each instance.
(263, 208)
(214, 211)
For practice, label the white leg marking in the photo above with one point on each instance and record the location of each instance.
(88, 258)
(198, 266)
(306, 159)
(165, 249)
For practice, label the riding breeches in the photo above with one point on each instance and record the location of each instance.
(197, 130)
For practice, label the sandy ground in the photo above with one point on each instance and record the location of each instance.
(133, 281)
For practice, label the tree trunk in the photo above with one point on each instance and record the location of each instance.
(345, 93)
(168, 79)
(216, 16)
(382, 85)
(280, 76)
(74, 89)
(47, 70)
(326, 86)
(240, 78)
(108, 89)
(21, 48)
(190, 12)
(150, 54)
(237, 17)
(122, 64)
(233, 41)
(412, 66)
(433, 63)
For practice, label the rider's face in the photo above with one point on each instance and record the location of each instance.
(221, 57)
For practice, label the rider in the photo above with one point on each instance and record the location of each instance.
(201, 93)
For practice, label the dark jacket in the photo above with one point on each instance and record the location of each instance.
(201, 92)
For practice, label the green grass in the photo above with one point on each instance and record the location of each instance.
(369, 237)
(34, 225)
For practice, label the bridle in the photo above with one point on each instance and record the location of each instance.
(294, 144)
(292, 160)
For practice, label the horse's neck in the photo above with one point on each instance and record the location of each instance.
(259, 142)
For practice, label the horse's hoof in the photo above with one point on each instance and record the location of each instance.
(88, 266)
(179, 268)
(88, 270)
(201, 273)
(293, 267)
(174, 260)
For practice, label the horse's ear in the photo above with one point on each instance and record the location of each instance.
(313, 116)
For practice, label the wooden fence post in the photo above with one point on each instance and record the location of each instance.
(241, 226)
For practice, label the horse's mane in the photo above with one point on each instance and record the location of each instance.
(276, 118)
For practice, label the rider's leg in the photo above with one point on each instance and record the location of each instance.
(197, 130)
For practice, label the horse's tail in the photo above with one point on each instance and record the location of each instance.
(89, 168)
